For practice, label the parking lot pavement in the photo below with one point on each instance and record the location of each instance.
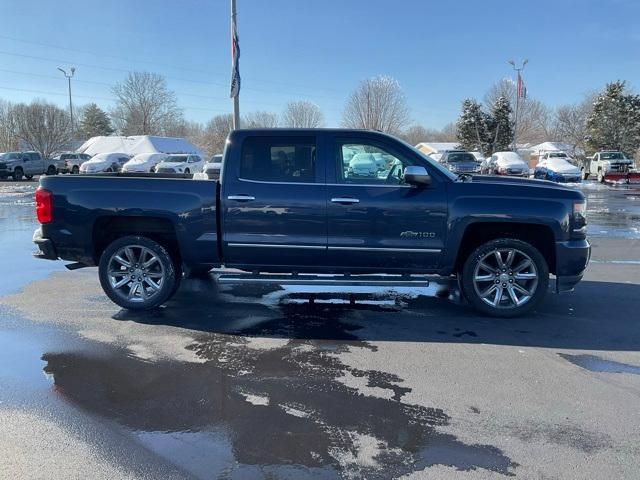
(255, 382)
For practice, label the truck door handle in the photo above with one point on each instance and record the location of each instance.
(241, 198)
(345, 200)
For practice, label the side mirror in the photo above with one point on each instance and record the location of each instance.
(418, 176)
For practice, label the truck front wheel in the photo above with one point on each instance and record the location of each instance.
(505, 278)
(137, 273)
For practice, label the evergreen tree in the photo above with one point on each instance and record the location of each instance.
(472, 127)
(614, 122)
(500, 127)
(95, 122)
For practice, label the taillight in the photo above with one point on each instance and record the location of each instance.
(44, 205)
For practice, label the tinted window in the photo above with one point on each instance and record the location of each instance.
(611, 156)
(279, 159)
(361, 162)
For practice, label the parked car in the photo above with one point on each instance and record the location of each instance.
(105, 162)
(459, 161)
(363, 165)
(611, 166)
(19, 165)
(217, 158)
(70, 162)
(557, 168)
(212, 168)
(505, 163)
(182, 163)
(144, 162)
(143, 232)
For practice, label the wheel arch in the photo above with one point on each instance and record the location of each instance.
(107, 229)
(538, 235)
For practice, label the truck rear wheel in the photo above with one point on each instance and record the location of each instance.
(505, 278)
(137, 273)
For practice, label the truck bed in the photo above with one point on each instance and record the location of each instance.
(85, 207)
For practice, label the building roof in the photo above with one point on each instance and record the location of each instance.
(437, 147)
(137, 144)
(555, 147)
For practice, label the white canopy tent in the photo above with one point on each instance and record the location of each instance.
(138, 144)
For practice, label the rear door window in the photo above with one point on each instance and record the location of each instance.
(279, 159)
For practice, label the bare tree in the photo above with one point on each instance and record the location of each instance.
(260, 119)
(302, 114)
(216, 132)
(145, 106)
(43, 126)
(377, 104)
(8, 139)
(572, 122)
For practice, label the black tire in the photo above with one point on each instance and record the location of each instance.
(585, 174)
(164, 266)
(506, 307)
(75, 170)
(29, 177)
(187, 171)
(52, 170)
(18, 174)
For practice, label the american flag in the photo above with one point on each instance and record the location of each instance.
(235, 60)
(522, 89)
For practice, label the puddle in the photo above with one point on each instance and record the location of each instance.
(277, 409)
(597, 364)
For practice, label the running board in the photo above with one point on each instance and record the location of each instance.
(347, 280)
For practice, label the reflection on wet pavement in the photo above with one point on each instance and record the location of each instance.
(612, 211)
(273, 405)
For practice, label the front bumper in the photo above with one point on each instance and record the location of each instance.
(46, 248)
(572, 258)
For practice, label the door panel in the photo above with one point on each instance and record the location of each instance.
(274, 205)
(377, 222)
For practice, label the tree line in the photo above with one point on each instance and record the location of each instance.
(144, 105)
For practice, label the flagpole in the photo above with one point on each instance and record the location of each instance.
(518, 93)
(236, 97)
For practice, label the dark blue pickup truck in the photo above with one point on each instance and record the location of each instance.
(321, 201)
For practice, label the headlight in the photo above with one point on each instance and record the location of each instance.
(579, 219)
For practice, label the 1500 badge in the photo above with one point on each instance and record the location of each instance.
(410, 234)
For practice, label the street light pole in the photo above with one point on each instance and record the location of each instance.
(515, 121)
(69, 77)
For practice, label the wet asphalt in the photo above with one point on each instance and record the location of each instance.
(256, 382)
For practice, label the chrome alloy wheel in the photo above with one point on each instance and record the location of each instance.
(505, 278)
(135, 273)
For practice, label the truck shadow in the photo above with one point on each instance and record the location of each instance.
(597, 316)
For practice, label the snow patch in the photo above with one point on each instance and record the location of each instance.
(255, 399)
(294, 411)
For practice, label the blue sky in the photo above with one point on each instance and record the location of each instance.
(440, 52)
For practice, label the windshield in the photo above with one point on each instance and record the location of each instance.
(460, 157)
(558, 155)
(612, 156)
(176, 158)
